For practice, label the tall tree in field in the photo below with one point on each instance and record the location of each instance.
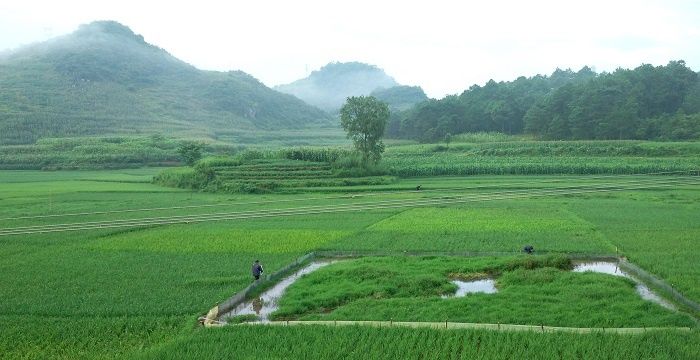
(364, 119)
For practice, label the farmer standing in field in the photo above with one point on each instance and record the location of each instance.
(257, 269)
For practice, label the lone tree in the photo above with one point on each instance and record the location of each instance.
(364, 119)
(190, 151)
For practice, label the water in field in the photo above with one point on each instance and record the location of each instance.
(267, 302)
(487, 286)
(611, 268)
(603, 267)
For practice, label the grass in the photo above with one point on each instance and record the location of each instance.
(532, 290)
(502, 226)
(126, 293)
(658, 231)
(321, 342)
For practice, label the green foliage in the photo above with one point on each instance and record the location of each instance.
(185, 178)
(542, 157)
(190, 151)
(484, 137)
(447, 139)
(242, 319)
(400, 98)
(264, 171)
(363, 342)
(93, 153)
(353, 165)
(329, 155)
(364, 119)
(628, 104)
(644, 103)
(496, 106)
(104, 79)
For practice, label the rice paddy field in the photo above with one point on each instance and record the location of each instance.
(106, 264)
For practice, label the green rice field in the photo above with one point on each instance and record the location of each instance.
(136, 291)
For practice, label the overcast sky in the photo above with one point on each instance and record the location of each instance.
(443, 46)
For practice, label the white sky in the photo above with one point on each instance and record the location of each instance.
(443, 46)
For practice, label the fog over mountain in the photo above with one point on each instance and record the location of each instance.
(328, 87)
(104, 79)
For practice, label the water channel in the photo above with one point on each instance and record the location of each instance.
(268, 301)
(612, 268)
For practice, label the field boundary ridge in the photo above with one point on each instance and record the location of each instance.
(211, 318)
(457, 325)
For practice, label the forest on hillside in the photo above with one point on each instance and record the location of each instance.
(648, 102)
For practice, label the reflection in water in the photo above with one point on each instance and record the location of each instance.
(611, 268)
(267, 302)
(603, 267)
(257, 305)
(487, 286)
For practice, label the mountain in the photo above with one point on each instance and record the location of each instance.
(328, 87)
(400, 97)
(105, 80)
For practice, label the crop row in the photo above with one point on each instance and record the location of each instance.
(256, 185)
(272, 176)
(460, 164)
(291, 167)
(363, 342)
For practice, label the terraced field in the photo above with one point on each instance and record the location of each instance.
(266, 175)
(276, 174)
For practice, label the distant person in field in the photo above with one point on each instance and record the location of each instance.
(257, 269)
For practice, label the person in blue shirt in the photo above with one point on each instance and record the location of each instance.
(257, 269)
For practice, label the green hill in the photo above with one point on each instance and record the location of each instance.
(400, 97)
(105, 80)
(645, 103)
(328, 87)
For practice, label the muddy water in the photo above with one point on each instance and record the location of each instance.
(611, 268)
(487, 286)
(267, 302)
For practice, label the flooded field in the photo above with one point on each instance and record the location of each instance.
(612, 268)
(486, 286)
(267, 302)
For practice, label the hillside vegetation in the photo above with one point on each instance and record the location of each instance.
(400, 97)
(105, 80)
(648, 102)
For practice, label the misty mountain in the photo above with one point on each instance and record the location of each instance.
(400, 97)
(103, 80)
(328, 87)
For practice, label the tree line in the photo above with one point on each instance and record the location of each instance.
(648, 102)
